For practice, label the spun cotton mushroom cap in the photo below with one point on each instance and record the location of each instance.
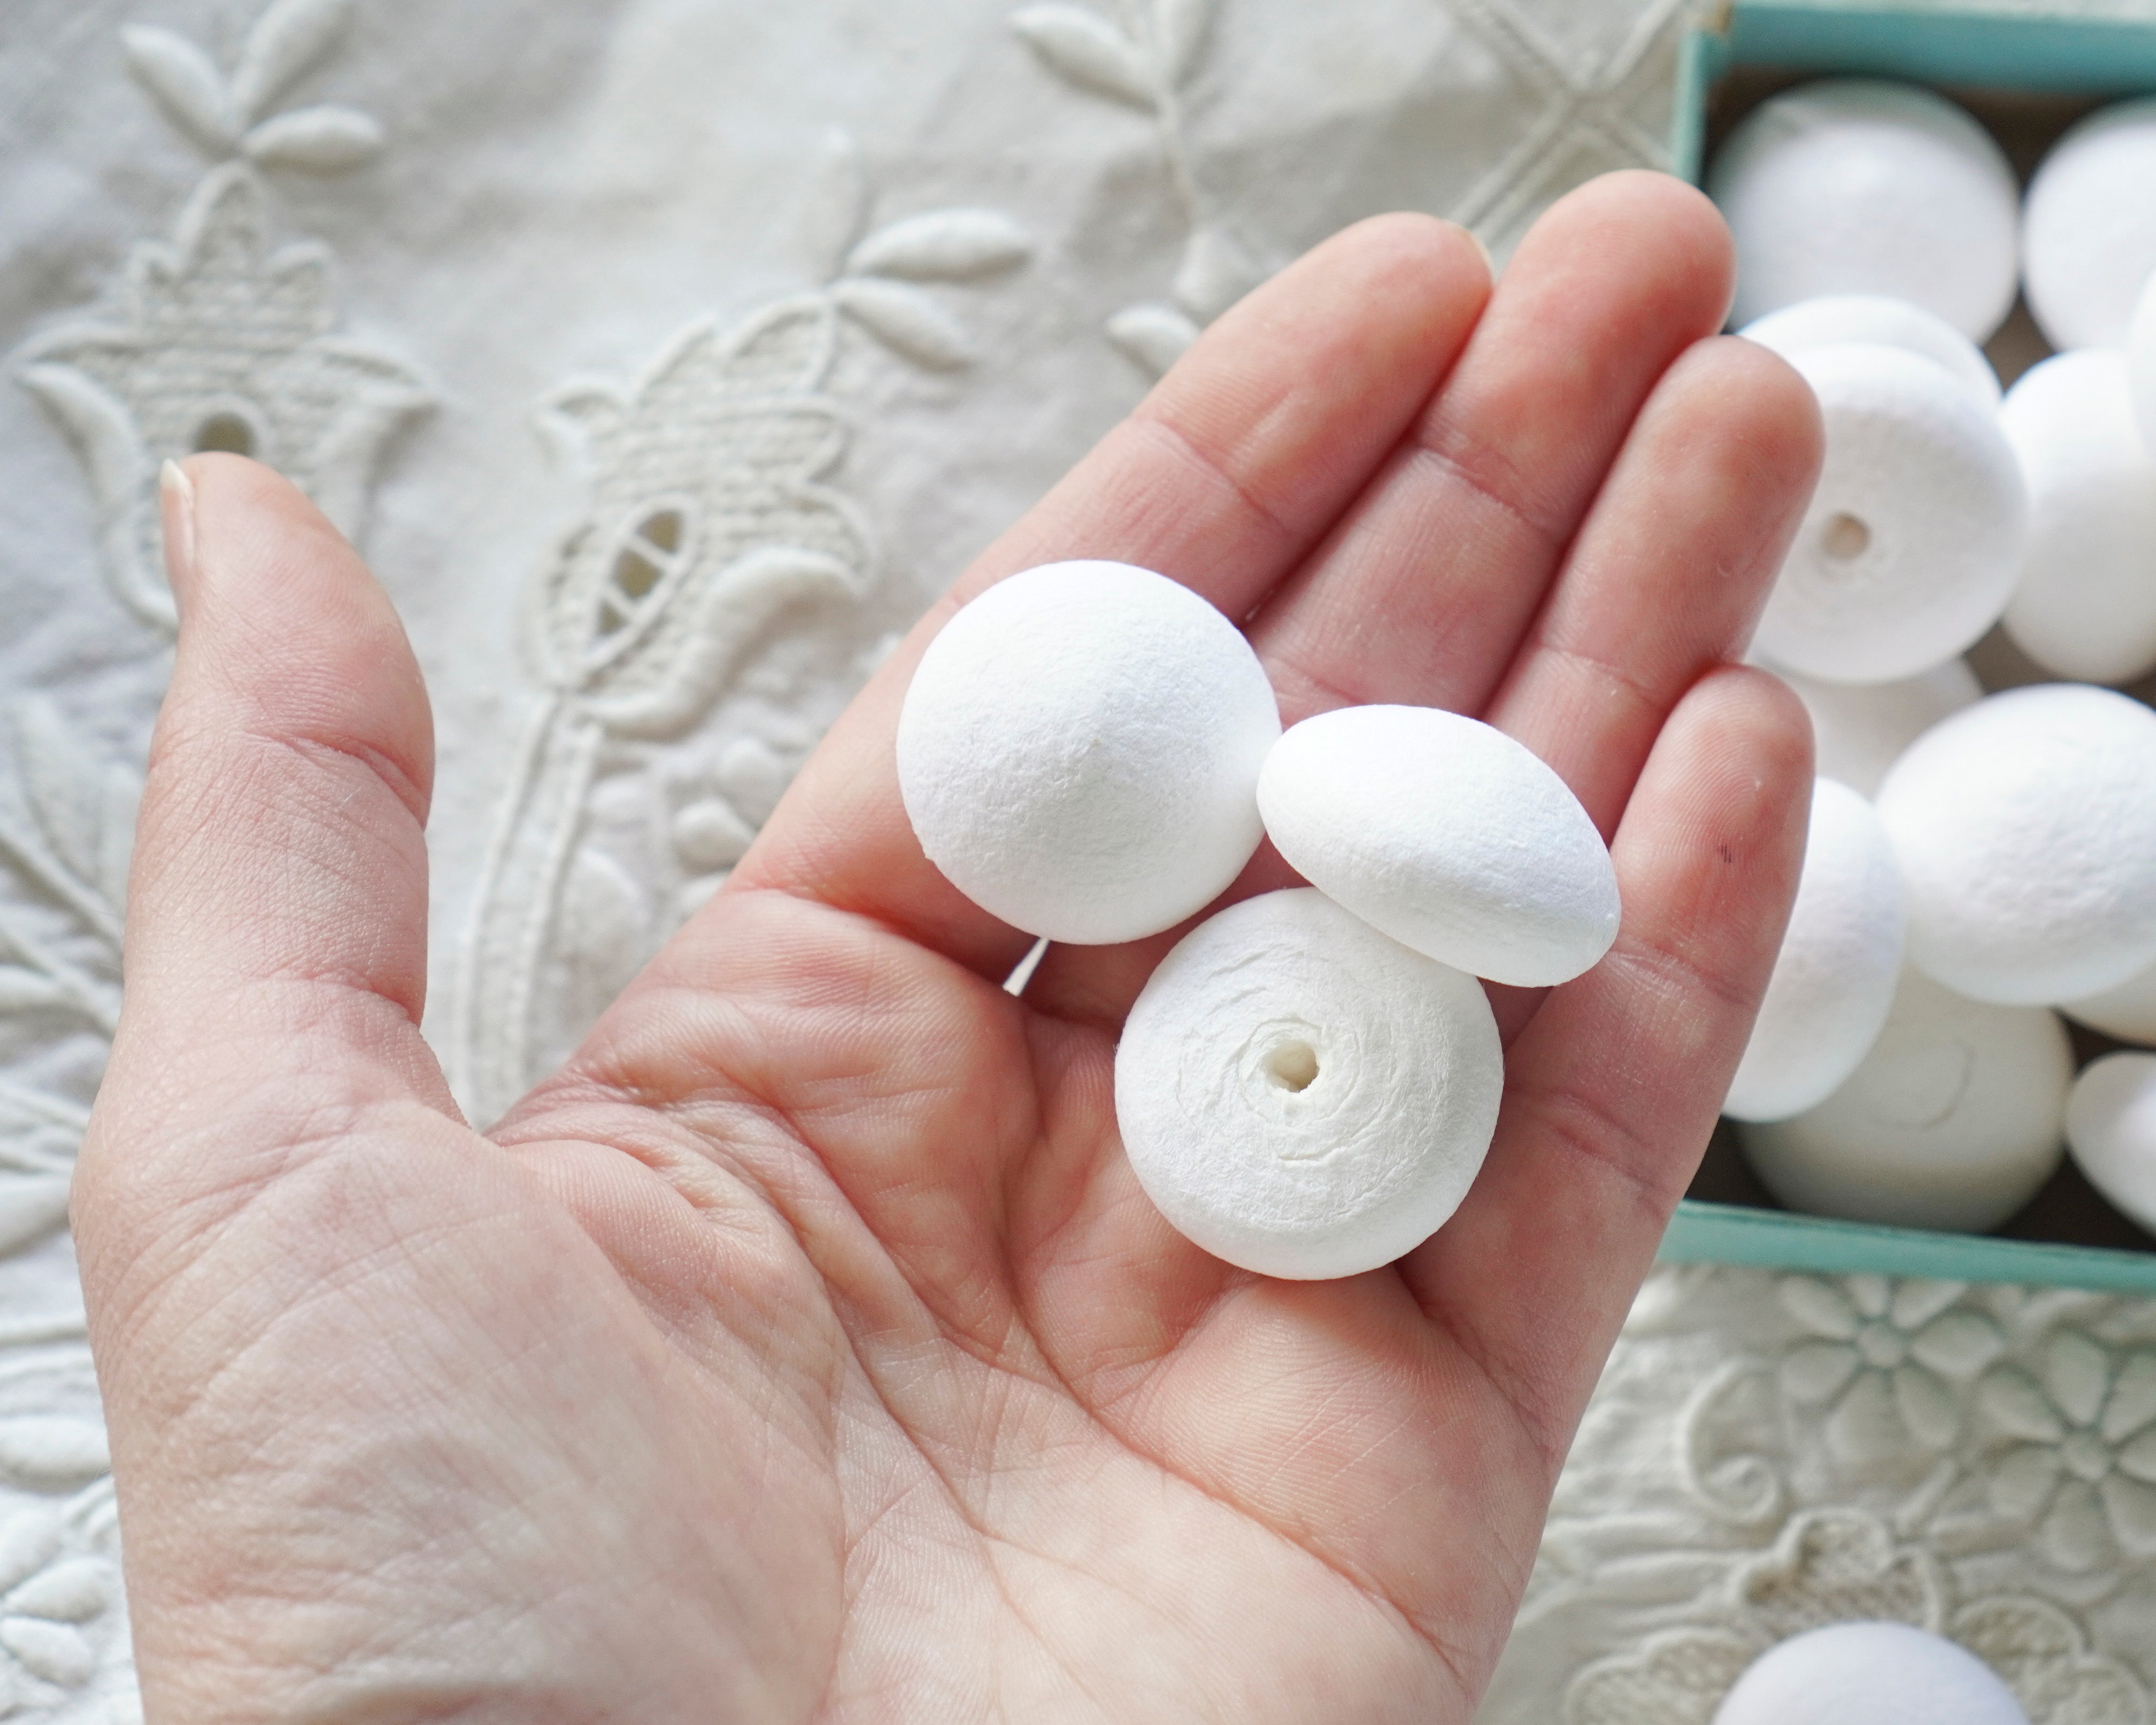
(2110, 1129)
(1834, 319)
(1860, 730)
(1302, 1096)
(2025, 826)
(1453, 838)
(1869, 1674)
(2086, 605)
(1952, 1120)
(1913, 540)
(1833, 978)
(2088, 232)
(1862, 186)
(1079, 751)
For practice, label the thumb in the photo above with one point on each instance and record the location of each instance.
(276, 941)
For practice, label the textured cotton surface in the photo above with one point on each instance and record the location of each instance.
(1835, 318)
(1952, 1120)
(1446, 834)
(2085, 607)
(1079, 750)
(1860, 186)
(2088, 240)
(2025, 826)
(1303, 1095)
(1870, 1674)
(1833, 978)
(1914, 537)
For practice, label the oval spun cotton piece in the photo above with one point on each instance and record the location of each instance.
(1952, 1120)
(1862, 186)
(2127, 1011)
(1833, 978)
(1913, 540)
(1302, 1096)
(1869, 1674)
(1453, 838)
(1833, 319)
(1079, 750)
(2110, 1129)
(2086, 605)
(2088, 234)
(2025, 826)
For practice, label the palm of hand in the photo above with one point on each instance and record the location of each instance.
(805, 1350)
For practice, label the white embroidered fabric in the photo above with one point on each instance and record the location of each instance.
(666, 357)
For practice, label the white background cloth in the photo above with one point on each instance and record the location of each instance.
(666, 357)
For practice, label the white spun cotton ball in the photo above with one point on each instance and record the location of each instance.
(2110, 1129)
(2025, 826)
(2088, 235)
(1833, 319)
(1859, 186)
(1859, 729)
(1302, 1096)
(1952, 1121)
(2141, 365)
(1079, 751)
(1913, 540)
(2086, 604)
(1869, 1674)
(1451, 836)
(1833, 978)
(2128, 1011)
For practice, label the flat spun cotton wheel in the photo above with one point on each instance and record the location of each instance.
(1833, 319)
(1079, 751)
(1914, 537)
(1862, 186)
(1302, 1096)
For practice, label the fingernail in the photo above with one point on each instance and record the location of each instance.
(176, 497)
(1489, 262)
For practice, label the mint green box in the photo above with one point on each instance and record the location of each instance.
(2015, 58)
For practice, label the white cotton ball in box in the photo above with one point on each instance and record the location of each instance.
(1952, 1121)
(2110, 1129)
(1833, 319)
(1869, 1674)
(2085, 607)
(2141, 365)
(2127, 1011)
(1302, 1096)
(1833, 978)
(2025, 826)
(1859, 186)
(1913, 539)
(1079, 751)
(1453, 838)
(1859, 729)
(2088, 227)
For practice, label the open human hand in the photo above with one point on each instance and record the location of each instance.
(805, 1349)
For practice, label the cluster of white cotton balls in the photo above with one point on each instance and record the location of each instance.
(1973, 862)
(1310, 1079)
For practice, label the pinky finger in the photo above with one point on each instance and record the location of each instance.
(1612, 1089)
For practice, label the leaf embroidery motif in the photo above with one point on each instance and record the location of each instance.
(1087, 49)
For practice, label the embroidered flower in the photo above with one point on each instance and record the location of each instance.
(1884, 1358)
(2084, 1462)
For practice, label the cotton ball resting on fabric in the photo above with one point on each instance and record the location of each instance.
(2086, 604)
(1869, 1674)
(1859, 186)
(1079, 751)
(1834, 319)
(1952, 1121)
(1451, 836)
(1859, 729)
(2025, 826)
(2088, 232)
(1833, 978)
(2110, 1129)
(1911, 545)
(1302, 1096)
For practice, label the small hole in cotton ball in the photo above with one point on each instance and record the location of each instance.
(1845, 536)
(1293, 1065)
